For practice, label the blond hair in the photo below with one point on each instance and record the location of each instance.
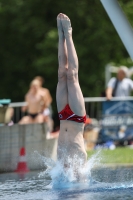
(40, 79)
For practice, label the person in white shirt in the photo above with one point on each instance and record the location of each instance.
(120, 86)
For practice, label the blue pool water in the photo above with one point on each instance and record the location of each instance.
(101, 183)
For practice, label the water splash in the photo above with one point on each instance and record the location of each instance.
(76, 173)
(48, 163)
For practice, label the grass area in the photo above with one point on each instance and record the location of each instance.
(123, 155)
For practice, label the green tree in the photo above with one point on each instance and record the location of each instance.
(29, 44)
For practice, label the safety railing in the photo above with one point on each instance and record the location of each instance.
(18, 114)
(93, 105)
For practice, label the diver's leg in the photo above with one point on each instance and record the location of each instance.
(61, 92)
(75, 97)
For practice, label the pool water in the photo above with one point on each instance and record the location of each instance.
(101, 183)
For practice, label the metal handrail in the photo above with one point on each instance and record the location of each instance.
(18, 104)
(93, 106)
(86, 99)
(101, 99)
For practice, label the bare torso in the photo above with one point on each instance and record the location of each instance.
(35, 102)
(71, 139)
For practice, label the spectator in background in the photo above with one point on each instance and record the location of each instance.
(120, 86)
(6, 115)
(9, 115)
(35, 101)
(38, 104)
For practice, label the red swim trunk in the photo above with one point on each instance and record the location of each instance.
(67, 114)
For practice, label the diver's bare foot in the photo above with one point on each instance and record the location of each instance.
(59, 26)
(66, 25)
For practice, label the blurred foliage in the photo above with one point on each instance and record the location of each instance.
(29, 44)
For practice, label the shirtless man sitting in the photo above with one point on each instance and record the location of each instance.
(35, 101)
(70, 101)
